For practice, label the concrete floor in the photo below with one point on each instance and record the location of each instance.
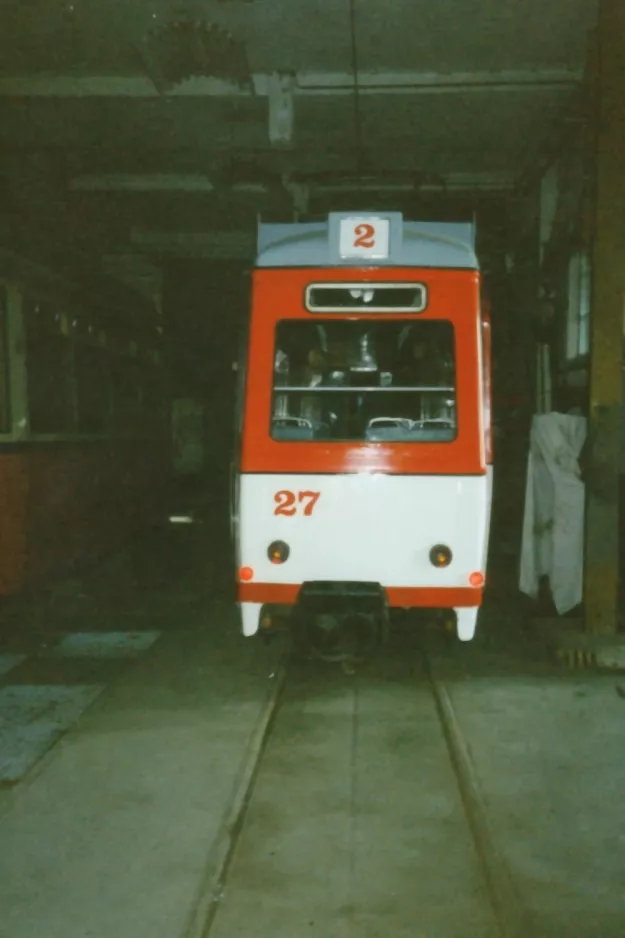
(548, 747)
(356, 827)
(113, 832)
(355, 824)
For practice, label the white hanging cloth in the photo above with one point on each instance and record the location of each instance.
(553, 524)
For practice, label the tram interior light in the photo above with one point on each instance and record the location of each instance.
(365, 295)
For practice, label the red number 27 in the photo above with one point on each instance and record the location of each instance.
(286, 502)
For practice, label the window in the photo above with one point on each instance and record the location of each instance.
(353, 380)
(368, 298)
(5, 414)
(578, 312)
(49, 368)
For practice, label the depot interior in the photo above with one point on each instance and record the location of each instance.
(142, 142)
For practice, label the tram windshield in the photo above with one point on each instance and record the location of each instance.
(363, 380)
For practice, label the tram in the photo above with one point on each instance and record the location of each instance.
(84, 457)
(364, 475)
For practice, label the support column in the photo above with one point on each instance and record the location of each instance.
(606, 326)
(281, 110)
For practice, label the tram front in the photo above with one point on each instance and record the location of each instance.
(364, 480)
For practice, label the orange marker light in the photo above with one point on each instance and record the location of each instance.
(246, 574)
(477, 579)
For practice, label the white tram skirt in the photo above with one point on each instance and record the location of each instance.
(363, 527)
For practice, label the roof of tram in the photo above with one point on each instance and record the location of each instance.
(400, 243)
(151, 130)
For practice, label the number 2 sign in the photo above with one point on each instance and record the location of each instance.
(364, 237)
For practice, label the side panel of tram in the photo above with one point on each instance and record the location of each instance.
(359, 479)
(82, 422)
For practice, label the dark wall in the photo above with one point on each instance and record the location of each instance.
(205, 304)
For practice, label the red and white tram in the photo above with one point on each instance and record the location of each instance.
(365, 469)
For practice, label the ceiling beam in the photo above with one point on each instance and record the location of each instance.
(299, 191)
(154, 183)
(437, 82)
(452, 182)
(142, 182)
(197, 245)
(304, 83)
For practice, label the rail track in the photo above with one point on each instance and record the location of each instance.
(365, 783)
